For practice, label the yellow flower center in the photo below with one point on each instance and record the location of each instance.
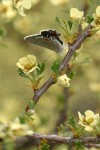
(28, 67)
(89, 121)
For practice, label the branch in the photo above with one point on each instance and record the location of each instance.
(35, 139)
(63, 115)
(72, 48)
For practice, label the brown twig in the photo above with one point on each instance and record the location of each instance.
(72, 48)
(63, 113)
(35, 139)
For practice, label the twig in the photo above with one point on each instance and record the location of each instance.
(63, 113)
(35, 139)
(63, 65)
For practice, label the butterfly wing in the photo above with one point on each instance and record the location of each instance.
(49, 43)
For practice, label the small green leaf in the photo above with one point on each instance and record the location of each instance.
(68, 27)
(41, 68)
(55, 66)
(31, 104)
(71, 121)
(57, 20)
(79, 146)
(28, 117)
(89, 19)
(70, 23)
(77, 129)
(44, 145)
(21, 73)
(71, 74)
(86, 60)
(22, 119)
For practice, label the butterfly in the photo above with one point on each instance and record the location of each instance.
(49, 39)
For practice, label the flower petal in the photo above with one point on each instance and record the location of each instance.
(26, 4)
(81, 117)
(98, 11)
(89, 114)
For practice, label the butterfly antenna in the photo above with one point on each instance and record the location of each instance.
(48, 57)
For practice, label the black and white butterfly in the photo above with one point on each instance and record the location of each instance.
(47, 38)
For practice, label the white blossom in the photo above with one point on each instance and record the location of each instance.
(76, 14)
(63, 80)
(89, 120)
(21, 5)
(27, 64)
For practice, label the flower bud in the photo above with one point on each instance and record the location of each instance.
(63, 80)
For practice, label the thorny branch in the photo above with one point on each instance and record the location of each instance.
(72, 48)
(35, 139)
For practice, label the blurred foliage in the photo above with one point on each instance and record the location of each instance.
(14, 91)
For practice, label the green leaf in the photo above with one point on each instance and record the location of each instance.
(79, 146)
(31, 104)
(71, 74)
(77, 129)
(70, 23)
(41, 68)
(21, 73)
(28, 117)
(55, 66)
(71, 121)
(57, 20)
(44, 145)
(86, 60)
(89, 19)
(22, 119)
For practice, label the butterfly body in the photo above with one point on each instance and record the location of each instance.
(47, 38)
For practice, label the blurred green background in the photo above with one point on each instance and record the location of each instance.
(84, 92)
